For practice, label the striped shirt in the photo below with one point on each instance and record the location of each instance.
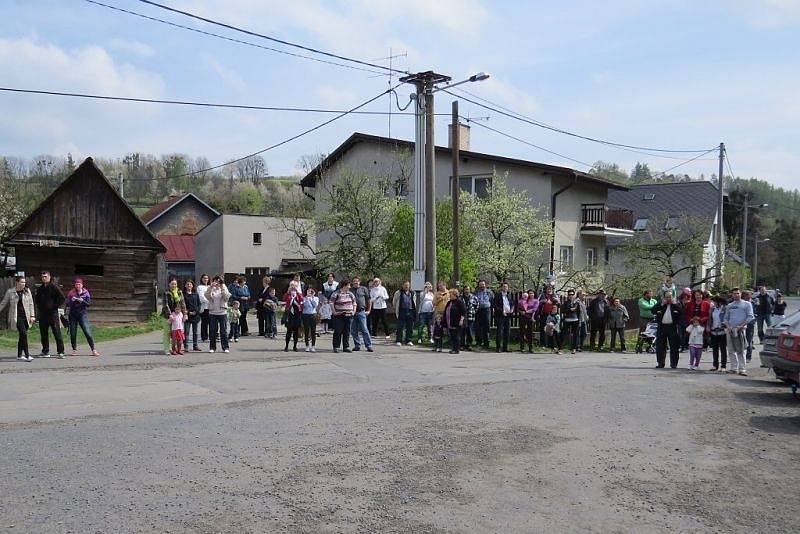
(344, 303)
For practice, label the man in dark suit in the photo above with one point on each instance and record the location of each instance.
(667, 315)
(503, 312)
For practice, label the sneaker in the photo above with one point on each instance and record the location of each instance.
(388, 337)
(308, 349)
(714, 369)
(356, 349)
(346, 350)
(336, 351)
(95, 353)
(236, 340)
(691, 367)
(226, 351)
(313, 349)
(410, 344)
(369, 349)
(211, 351)
(742, 373)
(29, 358)
(44, 355)
(431, 341)
(22, 358)
(399, 344)
(61, 356)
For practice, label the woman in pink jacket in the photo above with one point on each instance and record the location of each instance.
(527, 306)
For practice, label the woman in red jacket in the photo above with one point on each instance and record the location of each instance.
(698, 306)
(292, 315)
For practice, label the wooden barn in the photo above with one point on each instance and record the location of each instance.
(84, 229)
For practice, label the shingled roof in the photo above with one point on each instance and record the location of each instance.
(671, 199)
(161, 208)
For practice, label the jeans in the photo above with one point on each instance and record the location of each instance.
(22, 331)
(271, 325)
(360, 330)
(483, 317)
(218, 325)
(405, 325)
(310, 328)
(378, 317)
(49, 321)
(738, 345)
(503, 332)
(341, 332)
(81, 320)
(526, 332)
(236, 330)
(748, 336)
(719, 347)
(761, 319)
(570, 331)
(455, 338)
(425, 319)
(582, 334)
(190, 324)
(466, 333)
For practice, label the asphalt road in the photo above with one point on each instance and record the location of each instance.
(401, 440)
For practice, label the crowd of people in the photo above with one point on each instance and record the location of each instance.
(355, 314)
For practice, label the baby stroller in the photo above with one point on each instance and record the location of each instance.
(646, 338)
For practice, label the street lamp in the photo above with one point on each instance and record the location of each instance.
(755, 260)
(744, 229)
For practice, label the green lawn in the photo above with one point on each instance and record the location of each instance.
(8, 338)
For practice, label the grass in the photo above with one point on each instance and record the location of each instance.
(100, 333)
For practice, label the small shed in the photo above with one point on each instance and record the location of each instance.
(84, 229)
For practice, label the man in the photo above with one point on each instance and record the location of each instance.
(571, 318)
(343, 302)
(470, 307)
(49, 299)
(763, 308)
(738, 314)
(405, 309)
(598, 319)
(667, 315)
(329, 286)
(503, 312)
(363, 308)
(749, 330)
(483, 314)
(646, 303)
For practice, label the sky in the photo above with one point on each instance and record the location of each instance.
(673, 74)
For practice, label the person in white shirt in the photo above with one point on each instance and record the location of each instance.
(503, 311)
(202, 287)
(379, 297)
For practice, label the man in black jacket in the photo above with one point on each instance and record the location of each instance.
(763, 306)
(667, 315)
(503, 311)
(49, 299)
(598, 319)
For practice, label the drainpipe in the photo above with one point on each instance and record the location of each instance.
(553, 217)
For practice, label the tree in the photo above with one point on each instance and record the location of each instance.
(351, 227)
(510, 235)
(244, 199)
(786, 240)
(251, 169)
(610, 171)
(13, 207)
(641, 174)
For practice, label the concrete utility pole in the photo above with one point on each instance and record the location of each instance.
(121, 186)
(744, 236)
(455, 151)
(720, 207)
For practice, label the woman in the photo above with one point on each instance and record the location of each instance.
(453, 319)
(218, 296)
(202, 287)
(719, 338)
(441, 299)
(21, 314)
(310, 309)
(779, 310)
(697, 306)
(173, 300)
(261, 310)
(241, 293)
(293, 315)
(426, 308)
(527, 305)
(77, 304)
(380, 299)
(192, 300)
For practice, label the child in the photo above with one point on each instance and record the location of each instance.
(324, 313)
(234, 313)
(695, 331)
(552, 330)
(438, 335)
(270, 309)
(176, 332)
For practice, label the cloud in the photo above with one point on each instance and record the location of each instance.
(227, 75)
(768, 14)
(132, 47)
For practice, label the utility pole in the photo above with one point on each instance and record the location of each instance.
(744, 236)
(424, 177)
(720, 217)
(121, 186)
(455, 152)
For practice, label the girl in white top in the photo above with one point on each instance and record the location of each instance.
(379, 296)
(325, 312)
(426, 309)
(202, 287)
(696, 332)
(310, 308)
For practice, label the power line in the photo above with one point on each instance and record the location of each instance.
(196, 103)
(539, 124)
(528, 143)
(231, 39)
(269, 38)
(688, 161)
(278, 144)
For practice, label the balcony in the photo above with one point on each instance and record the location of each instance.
(600, 220)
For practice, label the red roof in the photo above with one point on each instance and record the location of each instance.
(179, 247)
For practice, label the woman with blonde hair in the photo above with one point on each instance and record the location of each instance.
(21, 314)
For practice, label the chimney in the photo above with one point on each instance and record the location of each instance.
(463, 136)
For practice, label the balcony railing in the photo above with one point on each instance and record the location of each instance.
(601, 216)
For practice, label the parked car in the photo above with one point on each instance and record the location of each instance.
(788, 358)
(769, 350)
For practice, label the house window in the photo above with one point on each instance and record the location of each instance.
(640, 224)
(672, 223)
(565, 255)
(474, 185)
(89, 270)
(591, 257)
(256, 238)
(649, 196)
(304, 239)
